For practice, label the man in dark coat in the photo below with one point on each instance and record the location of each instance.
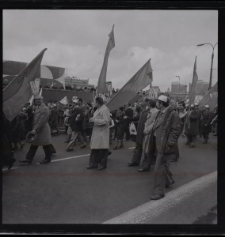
(165, 133)
(139, 139)
(76, 121)
(206, 124)
(42, 131)
(192, 126)
(127, 120)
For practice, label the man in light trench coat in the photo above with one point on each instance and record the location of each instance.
(42, 131)
(100, 136)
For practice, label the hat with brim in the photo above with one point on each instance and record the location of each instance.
(38, 97)
(30, 137)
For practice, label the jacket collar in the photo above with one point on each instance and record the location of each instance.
(165, 113)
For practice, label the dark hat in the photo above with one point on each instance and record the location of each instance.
(30, 137)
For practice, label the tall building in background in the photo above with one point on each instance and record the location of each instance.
(178, 88)
(178, 91)
(201, 87)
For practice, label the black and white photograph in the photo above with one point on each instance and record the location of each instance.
(109, 116)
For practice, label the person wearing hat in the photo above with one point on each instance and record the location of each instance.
(206, 123)
(165, 133)
(41, 131)
(192, 125)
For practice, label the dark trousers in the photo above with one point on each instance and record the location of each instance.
(33, 149)
(191, 139)
(137, 154)
(98, 157)
(127, 134)
(205, 136)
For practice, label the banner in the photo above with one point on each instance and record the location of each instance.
(138, 82)
(64, 101)
(194, 82)
(109, 88)
(19, 92)
(62, 80)
(211, 98)
(102, 78)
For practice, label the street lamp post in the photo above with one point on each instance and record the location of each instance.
(211, 69)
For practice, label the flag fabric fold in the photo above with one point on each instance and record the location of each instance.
(211, 98)
(19, 91)
(129, 91)
(62, 80)
(102, 78)
(193, 85)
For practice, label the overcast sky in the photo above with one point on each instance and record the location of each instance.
(76, 40)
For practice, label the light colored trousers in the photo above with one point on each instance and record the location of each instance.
(73, 139)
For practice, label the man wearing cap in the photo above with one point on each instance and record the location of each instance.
(206, 123)
(192, 125)
(42, 132)
(165, 133)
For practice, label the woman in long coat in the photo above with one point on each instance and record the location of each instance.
(119, 128)
(100, 136)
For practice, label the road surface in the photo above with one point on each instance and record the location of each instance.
(65, 192)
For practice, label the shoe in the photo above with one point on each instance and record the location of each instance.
(143, 170)
(132, 164)
(157, 196)
(109, 153)
(91, 167)
(192, 145)
(167, 185)
(12, 161)
(66, 141)
(187, 143)
(45, 161)
(115, 148)
(83, 146)
(204, 142)
(25, 161)
(100, 167)
(121, 146)
(68, 150)
(215, 135)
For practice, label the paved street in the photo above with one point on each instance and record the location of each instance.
(65, 192)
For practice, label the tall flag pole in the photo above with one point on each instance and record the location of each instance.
(193, 85)
(101, 89)
(19, 91)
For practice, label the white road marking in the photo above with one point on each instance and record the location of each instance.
(131, 148)
(152, 209)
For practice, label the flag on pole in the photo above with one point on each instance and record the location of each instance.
(64, 100)
(62, 80)
(211, 98)
(19, 91)
(193, 85)
(102, 78)
(138, 82)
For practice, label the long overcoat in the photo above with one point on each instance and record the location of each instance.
(41, 126)
(194, 118)
(206, 120)
(100, 133)
(167, 130)
(141, 126)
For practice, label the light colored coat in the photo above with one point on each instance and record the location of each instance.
(100, 133)
(41, 126)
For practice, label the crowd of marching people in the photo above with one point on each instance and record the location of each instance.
(154, 125)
